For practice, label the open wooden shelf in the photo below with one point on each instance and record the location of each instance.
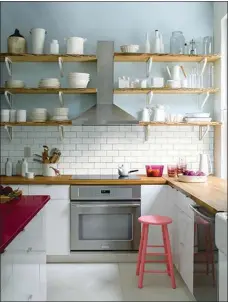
(49, 90)
(47, 58)
(164, 90)
(180, 124)
(47, 123)
(144, 57)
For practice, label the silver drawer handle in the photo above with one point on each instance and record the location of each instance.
(29, 297)
(122, 205)
(29, 249)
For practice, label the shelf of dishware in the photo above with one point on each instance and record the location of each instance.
(118, 57)
(47, 123)
(165, 90)
(49, 90)
(180, 124)
(163, 57)
(47, 57)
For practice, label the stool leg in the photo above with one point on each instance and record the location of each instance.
(140, 251)
(166, 251)
(207, 247)
(143, 257)
(211, 253)
(173, 282)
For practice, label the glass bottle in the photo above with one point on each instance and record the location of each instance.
(207, 45)
(177, 42)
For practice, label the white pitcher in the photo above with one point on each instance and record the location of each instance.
(145, 114)
(38, 38)
(205, 164)
(75, 45)
(175, 72)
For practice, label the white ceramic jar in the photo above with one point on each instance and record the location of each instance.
(38, 38)
(21, 115)
(75, 45)
(5, 114)
(54, 47)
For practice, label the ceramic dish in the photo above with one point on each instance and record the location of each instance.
(197, 114)
(129, 48)
(185, 178)
(197, 119)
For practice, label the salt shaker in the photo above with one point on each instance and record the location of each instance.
(54, 47)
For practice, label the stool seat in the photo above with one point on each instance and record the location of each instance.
(155, 220)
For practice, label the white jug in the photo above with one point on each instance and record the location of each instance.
(205, 164)
(75, 45)
(38, 37)
(159, 113)
(145, 114)
(175, 72)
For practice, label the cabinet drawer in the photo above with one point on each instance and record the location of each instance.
(55, 192)
(6, 269)
(183, 203)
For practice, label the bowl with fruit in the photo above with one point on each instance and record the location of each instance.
(192, 176)
(7, 194)
(154, 170)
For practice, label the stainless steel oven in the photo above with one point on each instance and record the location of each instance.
(105, 218)
(205, 256)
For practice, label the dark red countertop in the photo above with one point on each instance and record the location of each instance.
(14, 216)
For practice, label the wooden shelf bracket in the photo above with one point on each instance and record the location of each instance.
(205, 100)
(61, 132)
(201, 133)
(9, 98)
(60, 60)
(149, 66)
(146, 132)
(9, 130)
(8, 63)
(61, 99)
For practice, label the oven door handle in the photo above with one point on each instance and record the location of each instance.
(115, 205)
(197, 211)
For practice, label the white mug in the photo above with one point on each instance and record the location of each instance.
(21, 115)
(5, 114)
(30, 174)
(12, 115)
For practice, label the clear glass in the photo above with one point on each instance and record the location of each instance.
(177, 42)
(181, 166)
(207, 45)
(172, 170)
(105, 227)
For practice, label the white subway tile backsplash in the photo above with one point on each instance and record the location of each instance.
(100, 149)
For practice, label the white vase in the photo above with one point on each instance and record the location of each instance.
(38, 38)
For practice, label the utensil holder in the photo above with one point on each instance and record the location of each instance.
(48, 171)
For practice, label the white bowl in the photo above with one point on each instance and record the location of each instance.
(60, 118)
(14, 84)
(186, 178)
(61, 111)
(39, 110)
(81, 74)
(78, 83)
(173, 84)
(197, 114)
(49, 79)
(129, 48)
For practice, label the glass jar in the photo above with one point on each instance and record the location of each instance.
(177, 42)
(207, 45)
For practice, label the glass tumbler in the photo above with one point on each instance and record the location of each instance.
(207, 45)
(177, 42)
(172, 170)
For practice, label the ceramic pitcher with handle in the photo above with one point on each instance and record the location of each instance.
(205, 164)
(175, 73)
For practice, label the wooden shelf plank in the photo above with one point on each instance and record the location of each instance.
(144, 57)
(180, 124)
(164, 90)
(47, 58)
(49, 90)
(47, 123)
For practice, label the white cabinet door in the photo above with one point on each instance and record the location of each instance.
(58, 227)
(6, 266)
(155, 201)
(186, 248)
(55, 191)
(7, 294)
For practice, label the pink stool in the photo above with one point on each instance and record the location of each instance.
(163, 221)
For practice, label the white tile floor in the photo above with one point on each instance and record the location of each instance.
(109, 282)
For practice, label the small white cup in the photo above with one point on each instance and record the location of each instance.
(30, 175)
(21, 115)
(184, 83)
(5, 115)
(12, 115)
(173, 84)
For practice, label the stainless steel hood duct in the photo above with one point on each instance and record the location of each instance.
(105, 112)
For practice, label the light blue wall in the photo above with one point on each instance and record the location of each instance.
(124, 23)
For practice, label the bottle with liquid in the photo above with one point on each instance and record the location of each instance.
(18, 168)
(24, 167)
(147, 44)
(157, 42)
(9, 167)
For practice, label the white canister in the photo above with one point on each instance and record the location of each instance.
(24, 167)
(12, 115)
(157, 82)
(48, 171)
(184, 83)
(173, 84)
(21, 115)
(75, 45)
(5, 115)
(54, 47)
(9, 167)
(38, 38)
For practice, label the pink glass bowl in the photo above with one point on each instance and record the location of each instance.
(154, 170)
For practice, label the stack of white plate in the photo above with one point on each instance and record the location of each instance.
(78, 79)
(14, 84)
(39, 115)
(197, 117)
(49, 83)
(60, 114)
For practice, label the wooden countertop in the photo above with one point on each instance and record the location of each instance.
(212, 194)
(67, 180)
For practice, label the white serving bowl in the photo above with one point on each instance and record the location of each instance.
(60, 111)
(197, 114)
(39, 110)
(173, 84)
(14, 84)
(79, 74)
(78, 83)
(186, 178)
(129, 48)
(60, 118)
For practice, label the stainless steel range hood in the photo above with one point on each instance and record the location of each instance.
(105, 112)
